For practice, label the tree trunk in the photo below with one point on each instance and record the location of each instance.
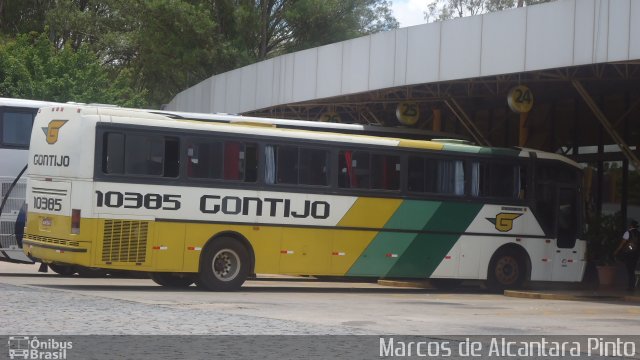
(264, 26)
(1, 14)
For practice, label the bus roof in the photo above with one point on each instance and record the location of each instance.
(25, 103)
(312, 130)
(373, 130)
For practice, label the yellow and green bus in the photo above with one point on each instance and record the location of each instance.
(214, 202)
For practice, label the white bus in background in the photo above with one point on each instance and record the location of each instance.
(16, 121)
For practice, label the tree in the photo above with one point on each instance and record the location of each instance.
(316, 23)
(175, 45)
(260, 29)
(448, 9)
(23, 16)
(168, 45)
(32, 67)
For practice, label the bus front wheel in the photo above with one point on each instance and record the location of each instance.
(507, 270)
(224, 265)
(172, 280)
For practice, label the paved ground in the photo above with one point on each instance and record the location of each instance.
(33, 303)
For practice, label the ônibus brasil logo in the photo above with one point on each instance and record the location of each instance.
(24, 347)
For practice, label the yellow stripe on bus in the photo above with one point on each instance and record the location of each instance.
(419, 144)
(370, 213)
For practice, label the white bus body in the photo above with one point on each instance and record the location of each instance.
(16, 120)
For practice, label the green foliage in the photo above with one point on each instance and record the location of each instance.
(316, 23)
(603, 237)
(265, 28)
(438, 10)
(176, 46)
(31, 67)
(23, 16)
(156, 48)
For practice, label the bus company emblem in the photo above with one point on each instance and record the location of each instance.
(504, 221)
(52, 130)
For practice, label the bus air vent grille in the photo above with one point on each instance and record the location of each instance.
(50, 240)
(125, 241)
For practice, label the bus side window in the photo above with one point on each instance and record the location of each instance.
(354, 169)
(345, 171)
(287, 165)
(361, 174)
(449, 176)
(416, 173)
(133, 154)
(113, 153)
(250, 162)
(437, 176)
(495, 180)
(233, 160)
(313, 167)
(16, 128)
(385, 170)
(204, 159)
(171, 157)
(269, 164)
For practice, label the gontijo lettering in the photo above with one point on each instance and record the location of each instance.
(51, 160)
(233, 205)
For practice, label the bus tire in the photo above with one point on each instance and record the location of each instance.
(224, 265)
(172, 280)
(507, 270)
(64, 270)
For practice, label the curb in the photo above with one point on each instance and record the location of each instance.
(572, 297)
(407, 284)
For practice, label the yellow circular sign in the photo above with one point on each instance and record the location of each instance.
(330, 116)
(408, 113)
(520, 99)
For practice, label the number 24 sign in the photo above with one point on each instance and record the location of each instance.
(520, 99)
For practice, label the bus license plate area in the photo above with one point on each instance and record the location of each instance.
(46, 223)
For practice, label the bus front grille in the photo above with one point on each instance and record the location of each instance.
(125, 241)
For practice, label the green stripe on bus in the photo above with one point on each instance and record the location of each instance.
(500, 151)
(381, 255)
(427, 250)
(386, 248)
(462, 148)
(481, 150)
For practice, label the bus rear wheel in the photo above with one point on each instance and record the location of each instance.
(172, 280)
(507, 270)
(224, 265)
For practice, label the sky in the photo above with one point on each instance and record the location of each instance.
(409, 12)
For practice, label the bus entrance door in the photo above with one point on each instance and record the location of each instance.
(566, 259)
